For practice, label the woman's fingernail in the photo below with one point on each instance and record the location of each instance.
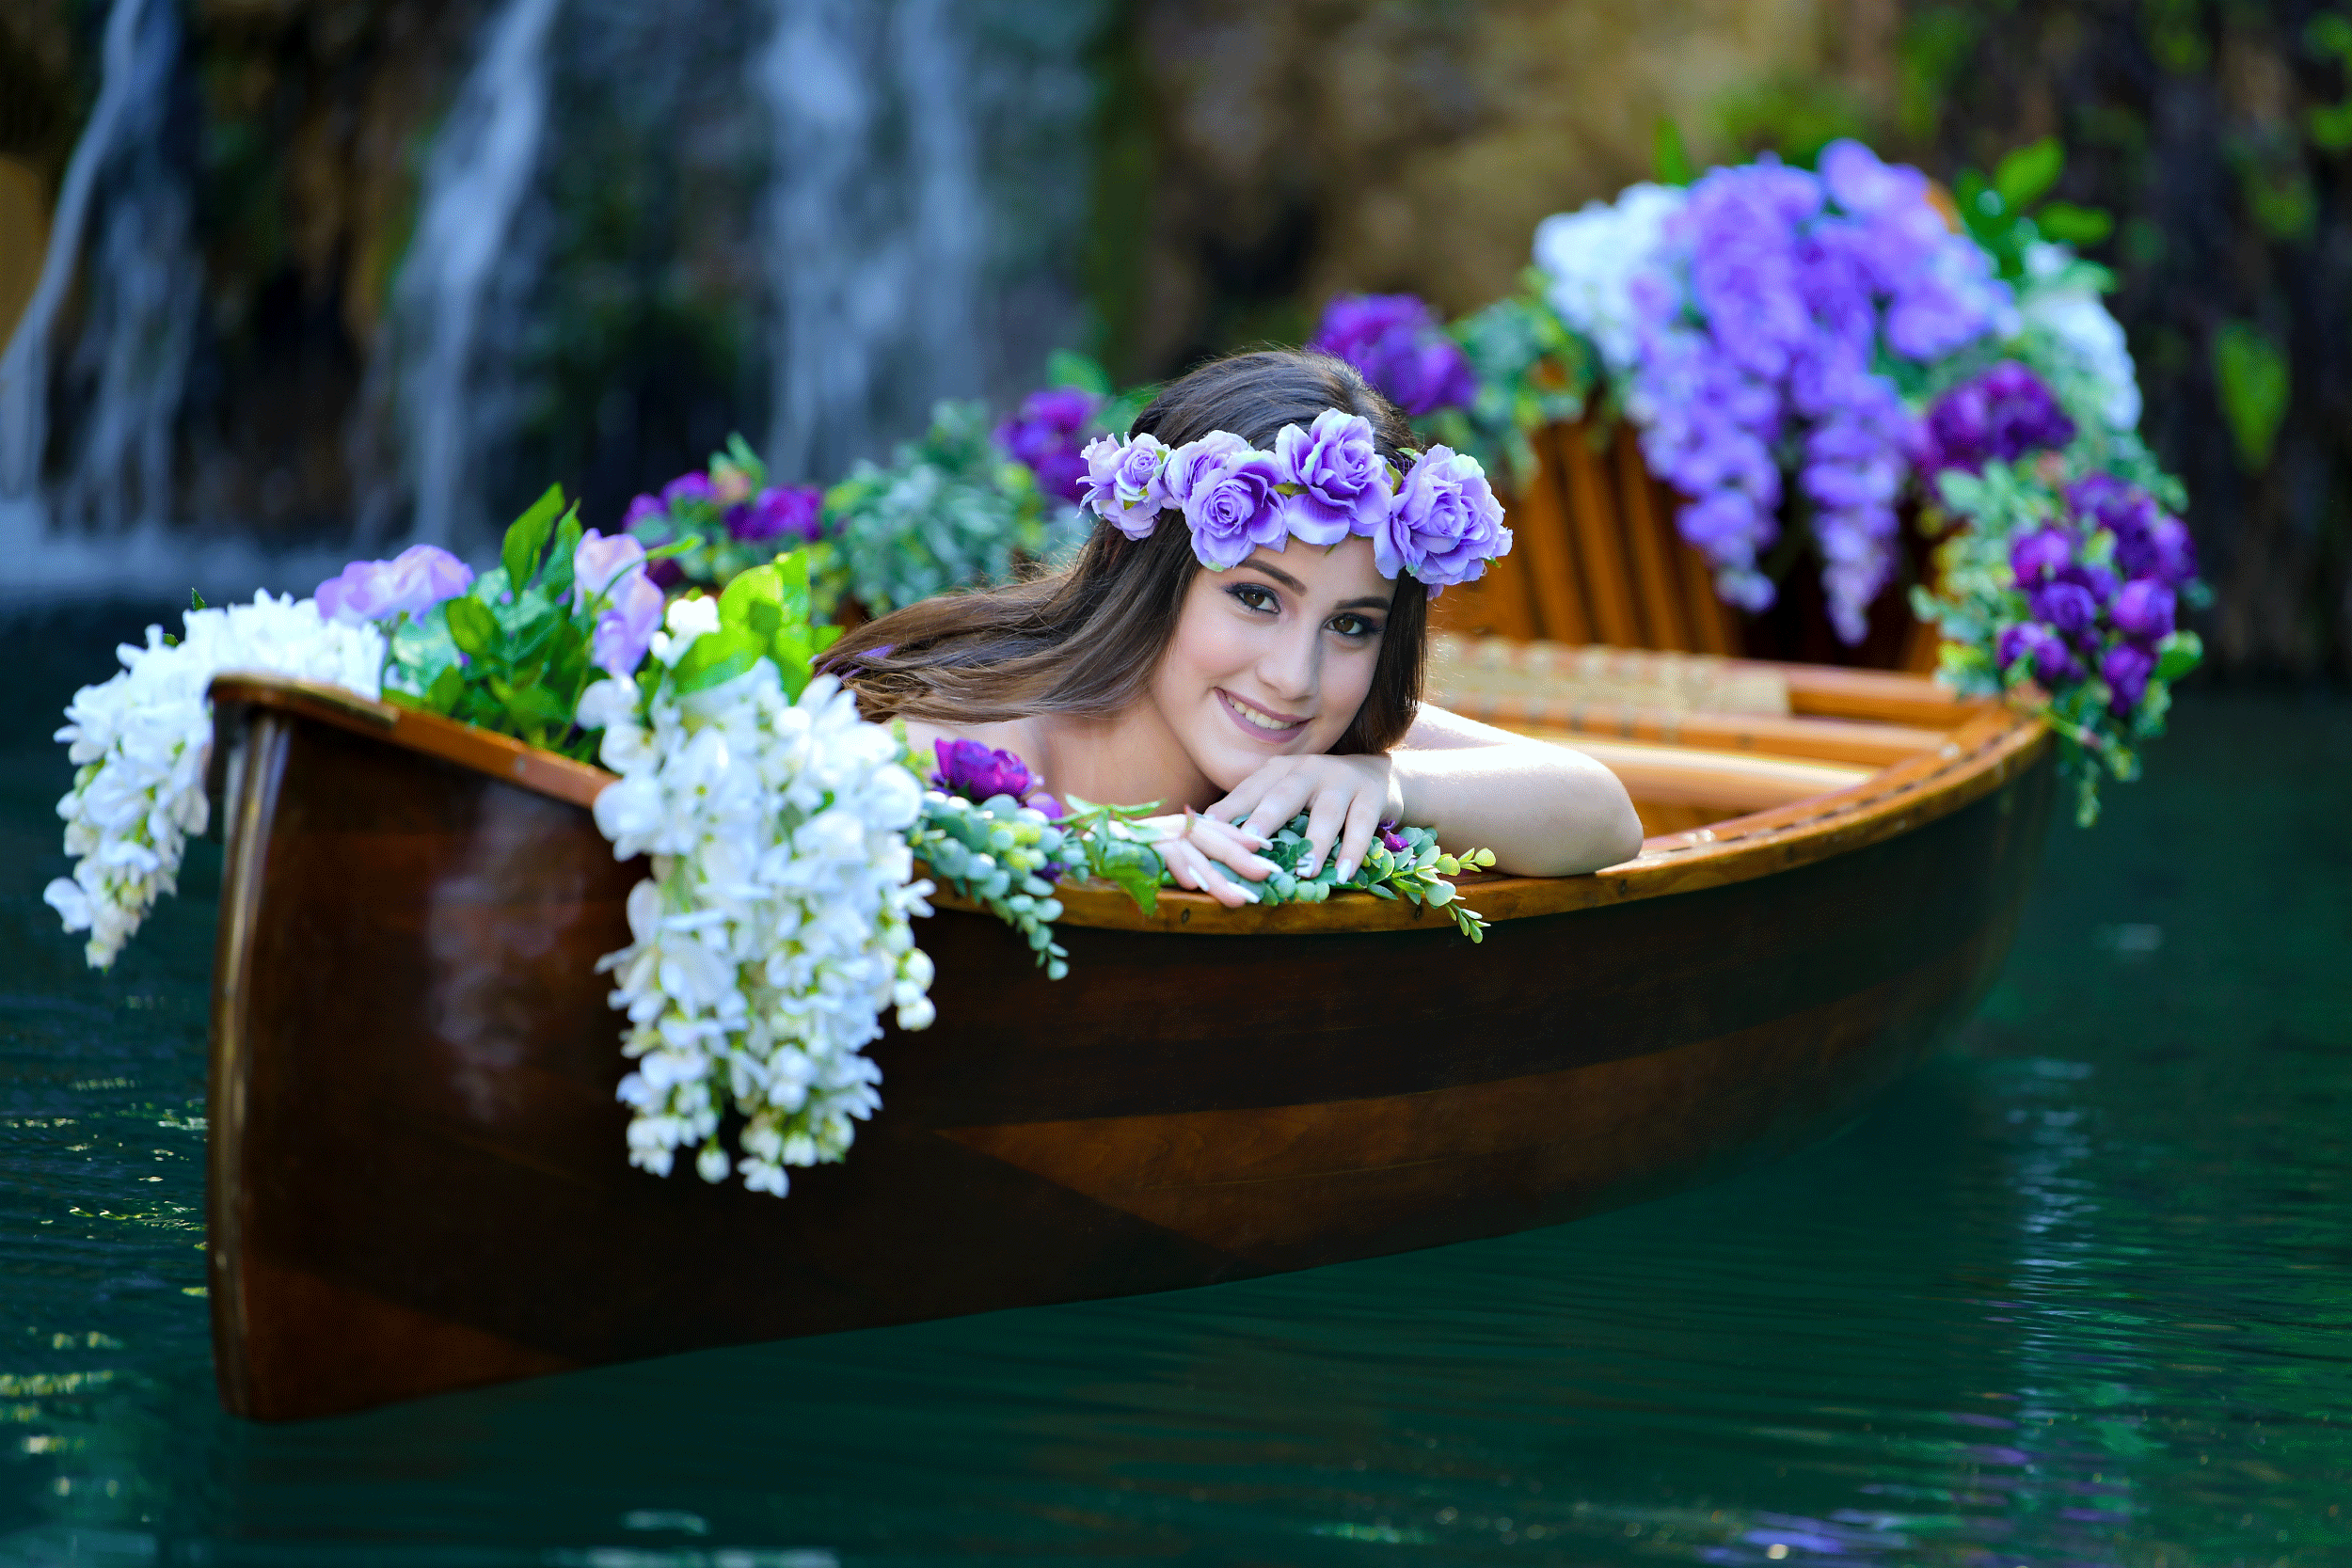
(1347, 869)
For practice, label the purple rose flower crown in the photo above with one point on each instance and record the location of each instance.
(1437, 521)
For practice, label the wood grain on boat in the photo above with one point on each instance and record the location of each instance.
(419, 1179)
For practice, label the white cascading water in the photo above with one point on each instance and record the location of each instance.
(876, 224)
(475, 180)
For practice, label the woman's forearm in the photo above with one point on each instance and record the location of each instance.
(1544, 810)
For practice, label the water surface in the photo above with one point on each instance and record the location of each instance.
(2076, 1293)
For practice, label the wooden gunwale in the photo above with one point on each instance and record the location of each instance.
(1989, 746)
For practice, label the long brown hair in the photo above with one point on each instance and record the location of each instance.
(1085, 640)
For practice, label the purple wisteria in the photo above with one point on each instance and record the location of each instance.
(1049, 434)
(1758, 333)
(2089, 618)
(411, 583)
(1401, 349)
(2002, 414)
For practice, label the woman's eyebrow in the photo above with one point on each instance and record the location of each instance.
(1277, 574)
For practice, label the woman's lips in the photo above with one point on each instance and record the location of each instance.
(1240, 712)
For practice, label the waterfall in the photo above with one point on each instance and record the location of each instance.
(475, 182)
(877, 236)
(143, 283)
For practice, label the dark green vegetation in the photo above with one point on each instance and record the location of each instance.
(2073, 1294)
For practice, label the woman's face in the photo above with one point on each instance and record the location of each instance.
(1273, 658)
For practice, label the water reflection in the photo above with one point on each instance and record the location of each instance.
(2072, 1295)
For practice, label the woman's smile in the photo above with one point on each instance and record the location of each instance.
(1258, 724)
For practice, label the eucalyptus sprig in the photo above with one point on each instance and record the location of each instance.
(1002, 855)
(1416, 873)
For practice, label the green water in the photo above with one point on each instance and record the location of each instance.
(2076, 1293)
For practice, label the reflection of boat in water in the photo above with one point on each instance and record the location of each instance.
(418, 1171)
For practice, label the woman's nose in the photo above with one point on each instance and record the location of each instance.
(1292, 667)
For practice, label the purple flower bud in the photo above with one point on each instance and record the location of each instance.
(2126, 669)
(643, 509)
(414, 580)
(786, 512)
(2144, 609)
(601, 559)
(2037, 556)
(625, 631)
(2017, 641)
(979, 772)
(687, 490)
(1041, 802)
(665, 574)
(1393, 841)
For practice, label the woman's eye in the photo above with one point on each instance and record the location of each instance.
(1354, 627)
(1254, 598)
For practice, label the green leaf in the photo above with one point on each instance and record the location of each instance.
(528, 538)
(1669, 154)
(556, 580)
(1066, 368)
(754, 602)
(2251, 371)
(446, 689)
(717, 657)
(471, 626)
(196, 600)
(2070, 225)
(2178, 654)
(2027, 174)
(533, 702)
(683, 545)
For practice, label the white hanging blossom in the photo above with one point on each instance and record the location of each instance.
(1592, 256)
(775, 926)
(141, 742)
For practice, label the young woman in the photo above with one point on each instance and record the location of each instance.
(1243, 637)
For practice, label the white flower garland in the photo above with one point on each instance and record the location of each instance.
(143, 739)
(775, 926)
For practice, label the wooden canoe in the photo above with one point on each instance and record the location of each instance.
(418, 1172)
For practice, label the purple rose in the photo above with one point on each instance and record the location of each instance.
(2095, 581)
(979, 772)
(1397, 344)
(1229, 496)
(600, 559)
(2126, 669)
(1046, 435)
(2065, 606)
(2037, 556)
(2149, 541)
(1343, 481)
(1393, 841)
(2170, 555)
(413, 581)
(643, 509)
(687, 490)
(786, 512)
(1123, 482)
(2144, 609)
(2004, 413)
(1446, 524)
(625, 631)
(2054, 662)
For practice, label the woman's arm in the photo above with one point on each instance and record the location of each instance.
(1544, 810)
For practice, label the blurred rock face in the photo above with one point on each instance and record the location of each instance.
(1308, 149)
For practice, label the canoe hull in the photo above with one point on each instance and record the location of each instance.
(419, 1179)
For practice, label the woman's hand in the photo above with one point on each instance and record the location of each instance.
(1345, 799)
(1188, 843)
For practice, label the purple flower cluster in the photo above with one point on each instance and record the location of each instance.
(2002, 414)
(1781, 288)
(1048, 433)
(695, 501)
(1320, 484)
(981, 773)
(1401, 349)
(411, 583)
(2086, 618)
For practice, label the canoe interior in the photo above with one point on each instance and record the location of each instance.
(417, 1181)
